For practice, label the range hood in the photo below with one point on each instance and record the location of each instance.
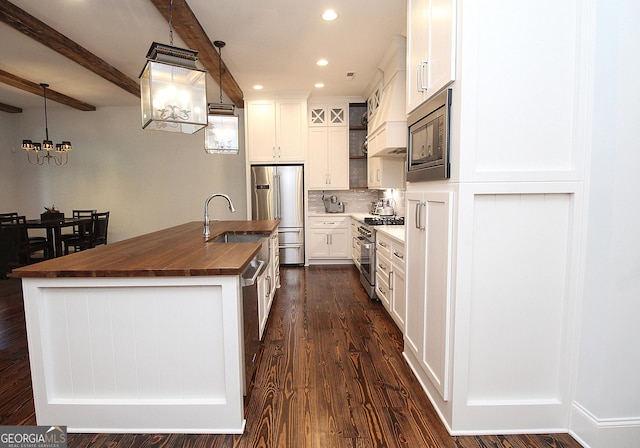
(387, 134)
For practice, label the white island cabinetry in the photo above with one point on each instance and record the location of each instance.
(145, 335)
(268, 282)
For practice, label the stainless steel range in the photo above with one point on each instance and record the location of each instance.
(367, 241)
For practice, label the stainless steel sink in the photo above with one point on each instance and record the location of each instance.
(263, 255)
(239, 238)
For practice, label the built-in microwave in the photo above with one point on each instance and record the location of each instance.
(428, 142)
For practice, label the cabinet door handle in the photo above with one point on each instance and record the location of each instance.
(398, 255)
(381, 244)
(382, 267)
(390, 281)
(419, 224)
(422, 86)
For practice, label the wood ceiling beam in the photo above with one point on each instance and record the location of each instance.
(43, 33)
(32, 87)
(185, 23)
(9, 109)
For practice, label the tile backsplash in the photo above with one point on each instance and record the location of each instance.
(356, 201)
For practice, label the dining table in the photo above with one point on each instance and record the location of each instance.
(54, 230)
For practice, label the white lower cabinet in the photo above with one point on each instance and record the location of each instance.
(398, 285)
(268, 281)
(427, 335)
(329, 238)
(356, 245)
(390, 277)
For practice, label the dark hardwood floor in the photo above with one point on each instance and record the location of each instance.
(331, 375)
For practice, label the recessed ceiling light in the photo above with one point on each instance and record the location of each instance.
(257, 87)
(329, 15)
(319, 85)
(322, 62)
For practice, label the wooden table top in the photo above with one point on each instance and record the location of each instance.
(178, 251)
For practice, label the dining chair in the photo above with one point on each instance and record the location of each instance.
(32, 239)
(81, 229)
(6, 248)
(19, 246)
(97, 235)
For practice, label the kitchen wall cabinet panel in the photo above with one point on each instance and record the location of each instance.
(386, 172)
(276, 130)
(431, 48)
(328, 115)
(521, 341)
(328, 158)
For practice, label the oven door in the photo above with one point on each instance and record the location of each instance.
(367, 260)
(357, 250)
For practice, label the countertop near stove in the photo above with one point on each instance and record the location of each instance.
(396, 232)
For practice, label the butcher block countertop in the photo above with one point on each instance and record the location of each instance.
(179, 251)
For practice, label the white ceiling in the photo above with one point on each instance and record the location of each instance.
(270, 42)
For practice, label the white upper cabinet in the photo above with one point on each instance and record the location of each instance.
(328, 163)
(431, 48)
(328, 158)
(323, 115)
(276, 130)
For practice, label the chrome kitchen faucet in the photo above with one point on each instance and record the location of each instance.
(232, 209)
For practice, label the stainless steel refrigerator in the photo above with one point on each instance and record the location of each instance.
(277, 192)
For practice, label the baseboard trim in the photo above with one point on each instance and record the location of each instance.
(593, 432)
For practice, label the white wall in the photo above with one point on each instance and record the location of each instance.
(606, 411)
(148, 180)
(8, 199)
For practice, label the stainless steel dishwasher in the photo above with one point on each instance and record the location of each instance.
(250, 321)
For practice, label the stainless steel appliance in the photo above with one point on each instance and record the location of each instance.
(332, 205)
(367, 259)
(367, 241)
(384, 208)
(277, 192)
(251, 322)
(428, 148)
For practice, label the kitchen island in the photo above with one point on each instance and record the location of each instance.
(143, 335)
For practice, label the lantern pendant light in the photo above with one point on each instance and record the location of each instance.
(221, 135)
(173, 89)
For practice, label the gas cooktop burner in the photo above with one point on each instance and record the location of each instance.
(384, 221)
